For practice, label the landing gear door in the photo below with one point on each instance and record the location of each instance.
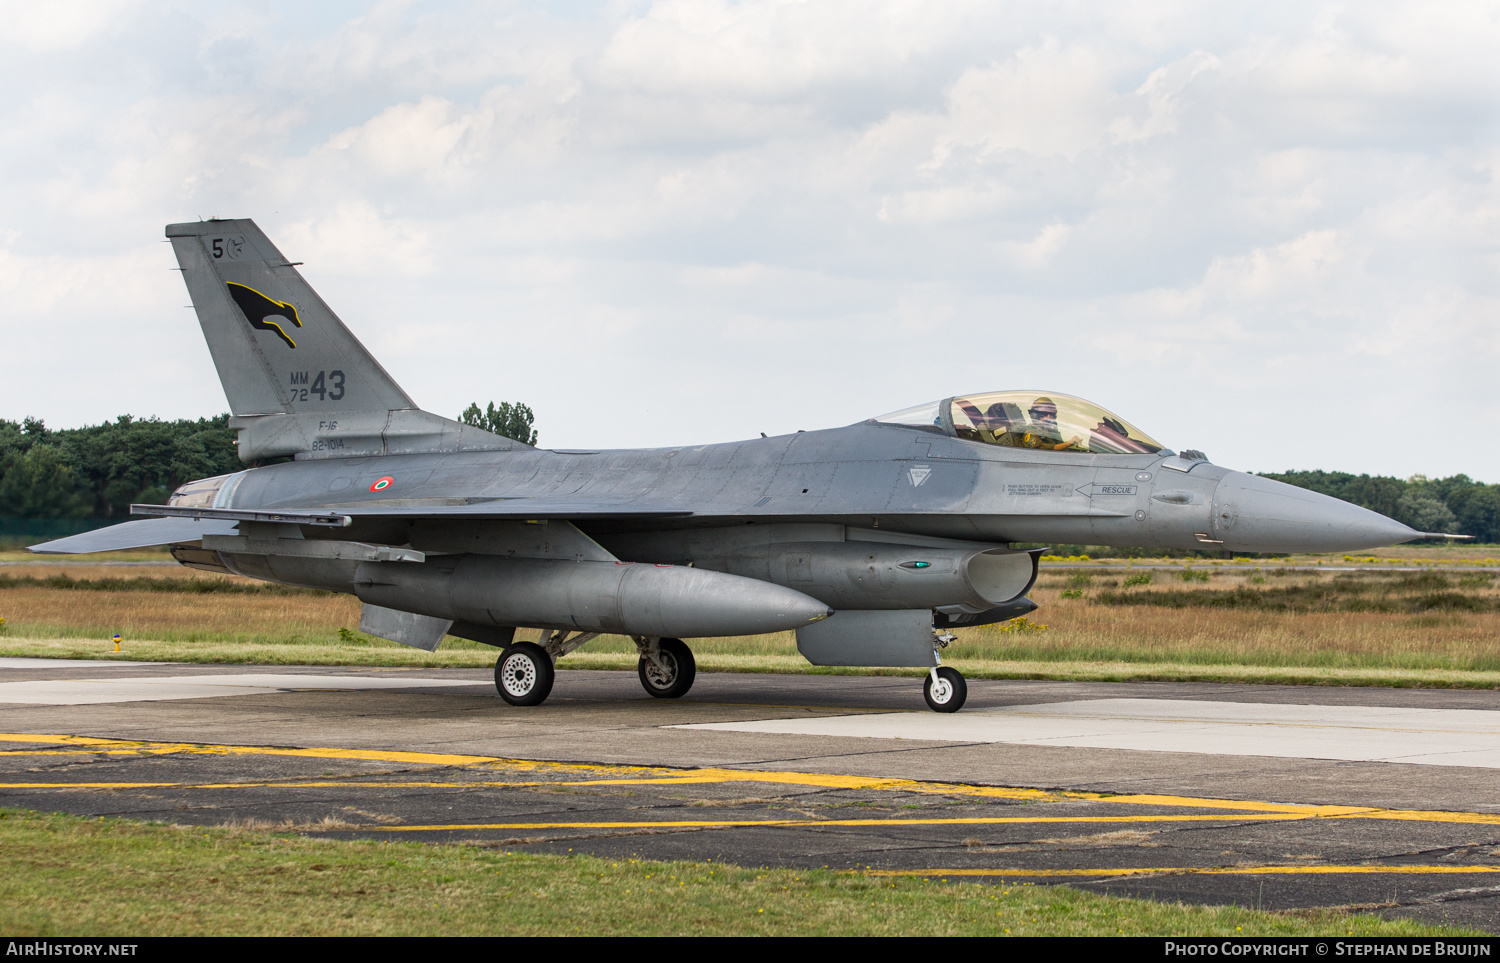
(900, 637)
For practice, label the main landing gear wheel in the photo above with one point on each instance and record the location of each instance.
(524, 674)
(945, 690)
(674, 676)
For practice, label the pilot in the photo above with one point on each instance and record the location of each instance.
(1043, 431)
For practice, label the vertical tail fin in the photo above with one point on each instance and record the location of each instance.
(298, 382)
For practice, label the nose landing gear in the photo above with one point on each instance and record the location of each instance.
(945, 689)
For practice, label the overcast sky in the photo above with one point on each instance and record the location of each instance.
(1268, 231)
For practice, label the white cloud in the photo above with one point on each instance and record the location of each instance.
(357, 240)
(1043, 100)
(789, 214)
(62, 24)
(1159, 102)
(1038, 252)
(771, 49)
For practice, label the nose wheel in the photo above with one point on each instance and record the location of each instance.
(523, 674)
(945, 690)
(667, 672)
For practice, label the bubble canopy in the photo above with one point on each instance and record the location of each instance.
(1044, 420)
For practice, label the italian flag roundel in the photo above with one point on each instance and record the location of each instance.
(382, 484)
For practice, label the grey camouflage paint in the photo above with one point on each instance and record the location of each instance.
(864, 518)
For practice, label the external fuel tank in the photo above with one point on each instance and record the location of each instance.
(625, 598)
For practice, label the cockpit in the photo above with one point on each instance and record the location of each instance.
(1030, 419)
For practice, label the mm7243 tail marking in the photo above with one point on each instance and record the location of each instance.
(327, 385)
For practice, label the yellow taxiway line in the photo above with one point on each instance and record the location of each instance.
(88, 744)
(812, 823)
(1193, 870)
(623, 775)
(85, 745)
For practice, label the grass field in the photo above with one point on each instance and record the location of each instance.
(1205, 621)
(63, 875)
(1198, 620)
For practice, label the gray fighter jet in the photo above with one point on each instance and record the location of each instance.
(871, 541)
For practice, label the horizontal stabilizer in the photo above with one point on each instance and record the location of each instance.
(138, 534)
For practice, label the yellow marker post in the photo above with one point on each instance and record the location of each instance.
(117, 641)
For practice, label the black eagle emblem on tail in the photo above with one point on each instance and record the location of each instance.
(259, 309)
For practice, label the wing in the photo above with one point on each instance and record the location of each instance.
(174, 524)
(341, 516)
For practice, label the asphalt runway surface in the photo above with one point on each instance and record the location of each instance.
(1278, 797)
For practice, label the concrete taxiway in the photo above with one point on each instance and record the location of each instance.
(1272, 796)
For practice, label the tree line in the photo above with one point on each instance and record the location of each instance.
(95, 472)
(1457, 505)
(98, 470)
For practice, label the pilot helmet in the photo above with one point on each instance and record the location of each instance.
(1043, 408)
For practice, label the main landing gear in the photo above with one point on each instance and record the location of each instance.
(667, 667)
(524, 672)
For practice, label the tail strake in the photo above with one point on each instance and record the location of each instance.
(298, 382)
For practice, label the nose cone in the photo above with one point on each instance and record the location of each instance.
(1254, 514)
